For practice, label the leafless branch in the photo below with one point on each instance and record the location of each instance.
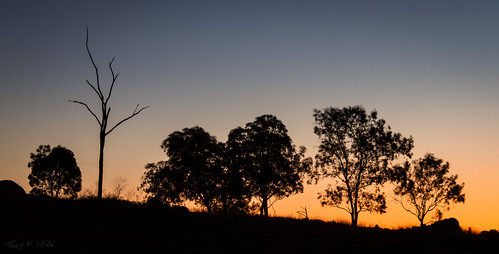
(91, 112)
(303, 212)
(401, 201)
(93, 87)
(135, 112)
(95, 67)
(115, 77)
(272, 202)
(344, 209)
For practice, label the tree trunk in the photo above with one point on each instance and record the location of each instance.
(353, 214)
(264, 209)
(225, 207)
(421, 221)
(354, 217)
(52, 190)
(101, 163)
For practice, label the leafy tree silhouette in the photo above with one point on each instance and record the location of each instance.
(424, 185)
(163, 183)
(355, 150)
(195, 171)
(198, 155)
(54, 172)
(267, 158)
(235, 194)
(105, 112)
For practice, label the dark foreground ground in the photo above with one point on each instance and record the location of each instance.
(42, 225)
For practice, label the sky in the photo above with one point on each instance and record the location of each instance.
(430, 69)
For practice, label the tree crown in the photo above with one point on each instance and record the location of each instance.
(425, 184)
(268, 160)
(54, 172)
(356, 149)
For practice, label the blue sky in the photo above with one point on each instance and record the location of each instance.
(428, 67)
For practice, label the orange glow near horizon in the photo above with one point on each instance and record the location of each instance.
(478, 212)
(218, 65)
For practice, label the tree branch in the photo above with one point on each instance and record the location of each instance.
(91, 112)
(93, 87)
(406, 209)
(101, 96)
(114, 79)
(135, 112)
(272, 203)
(343, 208)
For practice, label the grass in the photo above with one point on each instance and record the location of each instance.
(89, 226)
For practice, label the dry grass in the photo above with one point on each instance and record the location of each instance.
(121, 226)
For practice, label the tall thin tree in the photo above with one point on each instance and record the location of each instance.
(105, 111)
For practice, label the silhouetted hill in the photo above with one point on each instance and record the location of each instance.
(38, 224)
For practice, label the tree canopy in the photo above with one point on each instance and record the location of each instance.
(54, 172)
(424, 185)
(163, 183)
(196, 171)
(355, 150)
(198, 155)
(267, 159)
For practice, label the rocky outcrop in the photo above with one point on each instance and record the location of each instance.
(11, 189)
(450, 224)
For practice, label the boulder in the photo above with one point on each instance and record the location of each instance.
(450, 224)
(11, 189)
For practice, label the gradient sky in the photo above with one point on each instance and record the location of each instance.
(430, 68)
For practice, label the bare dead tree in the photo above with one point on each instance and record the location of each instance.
(303, 212)
(118, 187)
(105, 111)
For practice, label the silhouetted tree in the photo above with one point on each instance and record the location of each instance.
(199, 156)
(424, 185)
(303, 212)
(163, 183)
(105, 112)
(355, 150)
(267, 160)
(90, 192)
(54, 172)
(235, 194)
(118, 187)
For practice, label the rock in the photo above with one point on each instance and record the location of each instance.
(450, 224)
(490, 234)
(9, 188)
